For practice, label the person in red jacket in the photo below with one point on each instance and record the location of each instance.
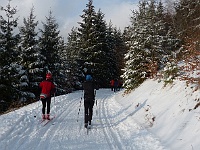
(47, 88)
(112, 84)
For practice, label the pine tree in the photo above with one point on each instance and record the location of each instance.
(86, 34)
(111, 55)
(119, 52)
(151, 44)
(71, 60)
(135, 65)
(117, 48)
(101, 51)
(62, 74)
(50, 45)
(98, 47)
(8, 39)
(9, 54)
(30, 57)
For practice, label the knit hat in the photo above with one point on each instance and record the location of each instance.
(48, 76)
(88, 78)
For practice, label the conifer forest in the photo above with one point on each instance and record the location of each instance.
(161, 41)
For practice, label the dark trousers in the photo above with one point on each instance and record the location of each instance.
(115, 88)
(88, 106)
(112, 88)
(46, 102)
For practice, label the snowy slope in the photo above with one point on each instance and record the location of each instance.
(149, 118)
(167, 112)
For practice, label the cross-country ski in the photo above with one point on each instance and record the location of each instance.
(46, 121)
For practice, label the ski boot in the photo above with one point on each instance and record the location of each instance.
(86, 125)
(48, 117)
(43, 117)
(90, 123)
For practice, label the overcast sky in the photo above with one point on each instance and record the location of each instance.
(67, 12)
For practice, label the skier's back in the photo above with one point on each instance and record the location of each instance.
(89, 98)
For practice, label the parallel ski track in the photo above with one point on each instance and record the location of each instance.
(112, 136)
(24, 131)
(21, 124)
(28, 129)
(65, 111)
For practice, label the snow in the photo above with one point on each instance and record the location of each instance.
(152, 117)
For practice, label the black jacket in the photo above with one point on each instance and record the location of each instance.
(89, 91)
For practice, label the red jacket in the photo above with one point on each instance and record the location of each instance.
(112, 82)
(47, 88)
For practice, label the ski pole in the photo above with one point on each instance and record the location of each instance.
(79, 109)
(54, 98)
(38, 105)
(96, 108)
(54, 103)
(80, 106)
(96, 103)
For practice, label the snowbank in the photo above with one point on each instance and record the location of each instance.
(167, 112)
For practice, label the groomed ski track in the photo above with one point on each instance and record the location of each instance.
(112, 127)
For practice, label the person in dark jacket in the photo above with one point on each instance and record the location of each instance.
(89, 99)
(47, 88)
(115, 85)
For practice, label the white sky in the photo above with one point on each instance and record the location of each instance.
(67, 12)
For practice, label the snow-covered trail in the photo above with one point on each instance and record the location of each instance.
(112, 127)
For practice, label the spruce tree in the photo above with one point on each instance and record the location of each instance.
(50, 43)
(101, 51)
(117, 48)
(62, 73)
(30, 57)
(86, 34)
(111, 55)
(135, 64)
(71, 60)
(119, 52)
(151, 44)
(9, 55)
(97, 46)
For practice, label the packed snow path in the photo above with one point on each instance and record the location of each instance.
(112, 127)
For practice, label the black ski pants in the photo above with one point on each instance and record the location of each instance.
(88, 106)
(46, 102)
